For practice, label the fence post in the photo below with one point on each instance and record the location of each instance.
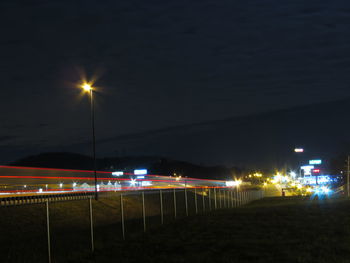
(209, 199)
(186, 205)
(238, 198)
(231, 194)
(215, 204)
(203, 199)
(91, 225)
(122, 215)
(195, 200)
(161, 206)
(48, 231)
(174, 203)
(143, 211)
(220, 198)
(225, 198)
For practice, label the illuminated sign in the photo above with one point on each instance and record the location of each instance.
(119, 173)
(140, 171)
(307, 169)
(316, 171)
(315, 162)
(298, 150)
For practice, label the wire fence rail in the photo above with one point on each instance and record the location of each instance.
(170, 201)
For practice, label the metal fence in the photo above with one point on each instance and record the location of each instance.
(190, 200)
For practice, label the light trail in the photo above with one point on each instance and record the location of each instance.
(15, 181)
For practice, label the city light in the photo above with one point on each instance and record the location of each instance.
(146, 183)
(298, 150)
(277, 178)
(237, 182)
(230, 183)
(309, 190)
(86, 87)
(118, 173)
(132, 182)
(325, 189)
(140, 171)
(307, 169)
(322, 190)
(315, 162)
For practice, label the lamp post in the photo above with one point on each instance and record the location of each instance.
(88, 88)
(298, 151)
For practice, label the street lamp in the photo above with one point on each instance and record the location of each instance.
(88, 88)
(299, 151)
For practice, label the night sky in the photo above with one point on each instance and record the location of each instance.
(161, 64)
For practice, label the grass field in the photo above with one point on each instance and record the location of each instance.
(290, 229)
(23, 228)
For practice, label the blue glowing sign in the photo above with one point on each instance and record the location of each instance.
(140, 171)
(315, 161)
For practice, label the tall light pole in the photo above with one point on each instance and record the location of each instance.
(88, 88)
(299, 150)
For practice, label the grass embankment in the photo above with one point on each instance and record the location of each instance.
(23, 228)
(291, 229)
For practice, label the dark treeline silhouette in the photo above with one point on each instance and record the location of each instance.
(155, 165)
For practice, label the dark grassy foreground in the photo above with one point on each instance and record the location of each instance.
(23, 228)
(291, 229)
(273, 230)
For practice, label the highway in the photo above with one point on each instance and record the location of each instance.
(29, 181)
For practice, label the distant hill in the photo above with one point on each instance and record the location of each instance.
(155, 165)
(63, 160)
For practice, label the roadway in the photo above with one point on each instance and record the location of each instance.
(19, 181)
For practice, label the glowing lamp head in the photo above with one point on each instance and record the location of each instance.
(298, 150)
(86, 87)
